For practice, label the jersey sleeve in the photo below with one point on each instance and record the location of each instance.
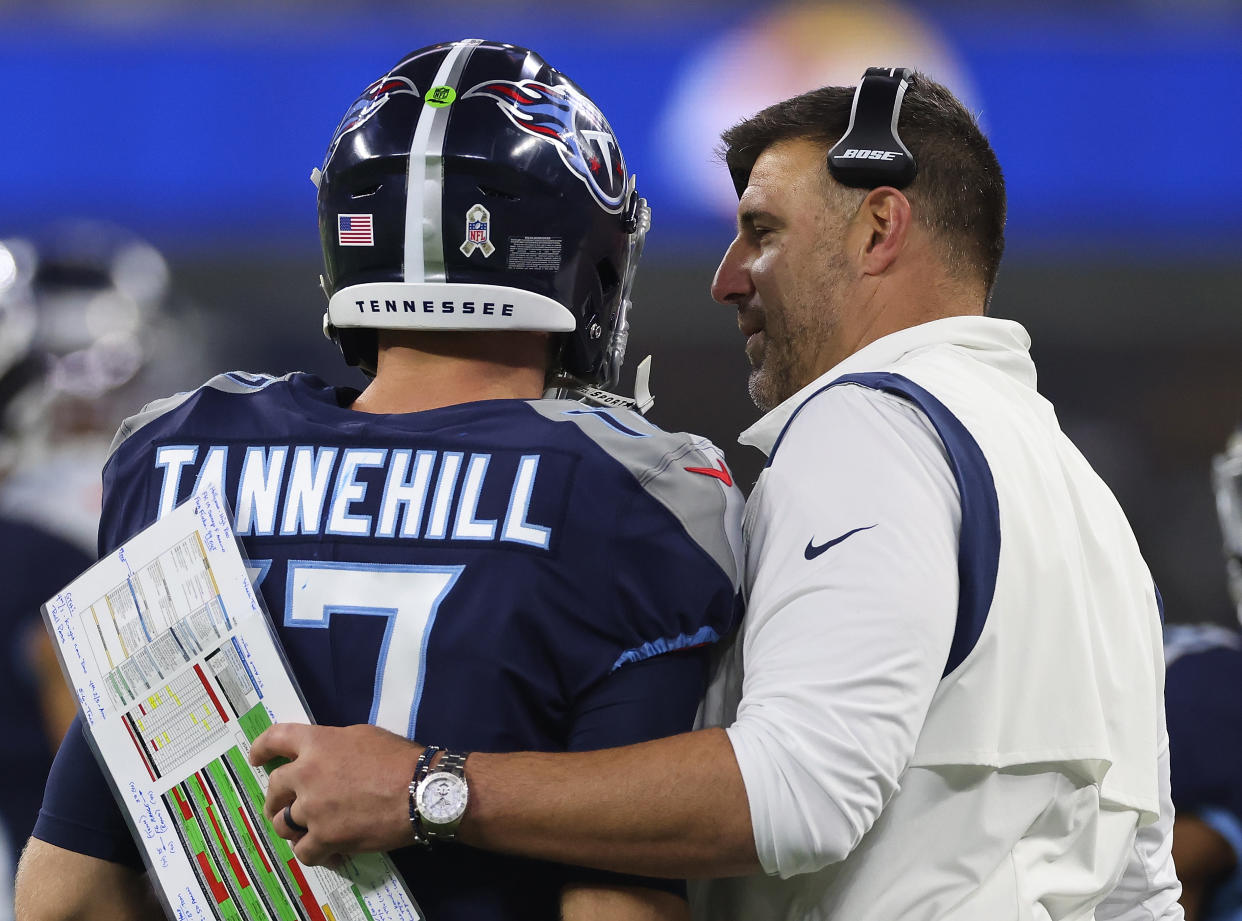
(650, 699)
(675, 556)
(674, 567)
(79, 812)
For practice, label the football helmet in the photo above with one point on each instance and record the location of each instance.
(1227, 484)
(90, 332)
(474, 187)
(98, 295)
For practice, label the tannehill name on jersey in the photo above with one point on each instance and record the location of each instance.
(286, 490)
(389, 305)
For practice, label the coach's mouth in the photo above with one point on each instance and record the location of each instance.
(750, 323)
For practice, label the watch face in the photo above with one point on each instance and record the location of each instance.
(442, 798)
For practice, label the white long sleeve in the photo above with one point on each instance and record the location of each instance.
(844, 651)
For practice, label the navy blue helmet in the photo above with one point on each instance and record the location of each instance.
(474, 187)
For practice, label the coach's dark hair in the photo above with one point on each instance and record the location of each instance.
(959, 192)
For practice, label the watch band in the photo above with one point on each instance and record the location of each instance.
(453, 763)
(421, 767)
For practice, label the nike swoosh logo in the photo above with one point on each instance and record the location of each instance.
(813, 551)
(720, 472)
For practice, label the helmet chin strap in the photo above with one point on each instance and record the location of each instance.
(567, 388)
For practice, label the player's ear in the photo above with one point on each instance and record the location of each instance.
(885, 218)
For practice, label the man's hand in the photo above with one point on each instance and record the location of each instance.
(349, 787)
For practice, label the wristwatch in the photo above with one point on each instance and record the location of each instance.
(440, 797)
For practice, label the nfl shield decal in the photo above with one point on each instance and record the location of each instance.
(559, 115)
(478, 232)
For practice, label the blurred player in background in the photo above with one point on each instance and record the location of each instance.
(109, 337)
(551, 571)
(84, 318)
(1203, 697)
(35, 705)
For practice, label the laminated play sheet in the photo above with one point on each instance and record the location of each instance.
(177, 671)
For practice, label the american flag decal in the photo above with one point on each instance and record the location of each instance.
(355, 230)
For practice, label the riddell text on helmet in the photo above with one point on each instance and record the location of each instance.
(487, 308)
(857, 153)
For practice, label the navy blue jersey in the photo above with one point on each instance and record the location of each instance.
(495, 576)
(1203, 703)
(37, 565)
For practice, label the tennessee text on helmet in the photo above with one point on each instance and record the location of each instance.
(474, 187)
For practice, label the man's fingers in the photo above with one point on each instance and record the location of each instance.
(284, 740)
(280, 793)
(315, 854)
(280, 822)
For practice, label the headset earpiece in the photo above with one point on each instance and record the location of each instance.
(870, 153)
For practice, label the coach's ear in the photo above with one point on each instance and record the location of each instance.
(883, 225)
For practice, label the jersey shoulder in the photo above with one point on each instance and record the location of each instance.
(647, 451)
(230, 382)
(682, 472)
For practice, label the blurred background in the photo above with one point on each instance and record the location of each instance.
(195, 126)
(183, 133)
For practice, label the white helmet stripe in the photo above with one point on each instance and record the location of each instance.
(424, 233)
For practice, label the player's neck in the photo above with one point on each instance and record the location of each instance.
(420, 371)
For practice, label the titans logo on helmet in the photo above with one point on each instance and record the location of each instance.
(569, 120)
(366, 105)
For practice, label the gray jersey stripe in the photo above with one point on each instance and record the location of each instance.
(657, 460)
(424, 231)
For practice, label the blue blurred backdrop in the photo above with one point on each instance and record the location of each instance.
(1118, 125)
